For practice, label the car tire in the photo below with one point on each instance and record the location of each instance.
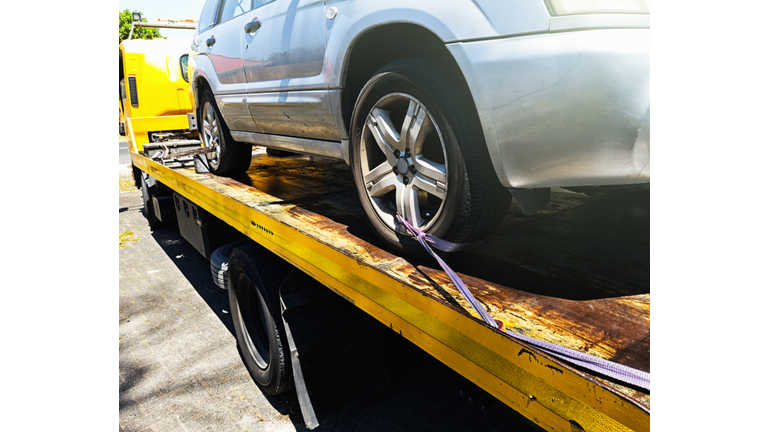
(254, 276)
(439, 176)
(228, 157)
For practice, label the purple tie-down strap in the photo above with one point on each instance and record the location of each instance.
(420, 236)
(437, 243)
(605, 367)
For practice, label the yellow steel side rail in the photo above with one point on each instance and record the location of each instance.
(555, 397)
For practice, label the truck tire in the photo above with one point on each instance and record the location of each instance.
(147, 192)
(417, 149)
(220, 262)
(254, 277)
(228, 157)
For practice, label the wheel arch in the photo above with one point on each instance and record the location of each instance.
(201, 85)
(383, 44)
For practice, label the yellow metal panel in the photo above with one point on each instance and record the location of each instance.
(556, 397)
(182, 96)
(155, 64)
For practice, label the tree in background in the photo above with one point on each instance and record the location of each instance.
(138, 32)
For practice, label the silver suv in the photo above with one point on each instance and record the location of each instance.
(444, 110)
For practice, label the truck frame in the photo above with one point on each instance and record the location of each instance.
(300, 211)
(419, 302)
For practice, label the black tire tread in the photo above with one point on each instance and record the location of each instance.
(270, 272)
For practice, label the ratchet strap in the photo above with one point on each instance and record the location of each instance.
(602, 366)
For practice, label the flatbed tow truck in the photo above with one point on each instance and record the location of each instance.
(575, 275)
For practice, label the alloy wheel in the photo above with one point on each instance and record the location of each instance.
(403, 162)
(211, 137)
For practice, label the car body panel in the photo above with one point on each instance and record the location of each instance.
(287, 52)
(563, 109)
(289, 44)
(450, 21)
(305, 114)
(562, 101)
(222, 65)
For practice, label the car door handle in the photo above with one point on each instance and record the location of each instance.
(210, 41)
(252, 26)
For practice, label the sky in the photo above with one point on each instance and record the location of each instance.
(176, 9)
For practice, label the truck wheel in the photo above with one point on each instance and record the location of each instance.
(147, 192)
(220, 262)
(254, 277)
(227, 157)
(418, 150)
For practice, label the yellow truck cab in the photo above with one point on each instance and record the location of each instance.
(154, 91)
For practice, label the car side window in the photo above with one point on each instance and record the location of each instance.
(260, 3)
(208, 17)
(233, 8)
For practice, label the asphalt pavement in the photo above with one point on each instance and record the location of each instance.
(180, 369)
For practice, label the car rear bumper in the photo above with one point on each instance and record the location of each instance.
(563, 109)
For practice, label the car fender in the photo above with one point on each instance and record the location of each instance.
(451, 21)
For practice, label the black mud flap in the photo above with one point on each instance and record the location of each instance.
(530, 201)
(335, 348)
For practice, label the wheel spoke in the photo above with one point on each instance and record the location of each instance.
(209, 125)
(416, 126)
(206, 135)
(428, 186)
(209, 114)
(381, 170)
(385, 132)
(407, 198)
(207, 129)
(430, 170)
(215, 129)
(413, 109)
(383, 185)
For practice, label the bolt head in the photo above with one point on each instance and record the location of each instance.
(405, 180)
(397, 153)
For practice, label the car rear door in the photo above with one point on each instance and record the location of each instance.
(283, 59)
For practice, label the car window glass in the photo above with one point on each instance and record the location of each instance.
(233, 8)
(208, 17)
(260, 3)
(184, 61)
